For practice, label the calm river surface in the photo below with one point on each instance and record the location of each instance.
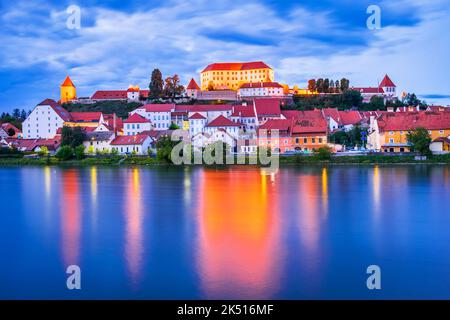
(194, 233)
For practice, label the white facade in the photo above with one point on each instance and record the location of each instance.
(259, 91)
(131, 129)
(139, 149)
(196, 126)
(43, 122)
(100, 144)
(160, 120)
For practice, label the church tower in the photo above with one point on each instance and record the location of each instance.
(68, 90)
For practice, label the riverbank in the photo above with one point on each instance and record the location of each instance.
(288, 160)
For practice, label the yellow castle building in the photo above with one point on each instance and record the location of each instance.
(68, 90)
(231, 75)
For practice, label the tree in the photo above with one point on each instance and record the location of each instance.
(312, 85)
(337, 86)
(164, 148)
(326, 85)
(319, 85)
(352, 98)
(16, 113)
(412, 100)
(323, 153)
(345, 84)
(173, 126)
(156, 85)
(23, 115)
(64, 153)
(420, 141)
(172, 87)
(44, 151)
(377, 103)
(72, 136)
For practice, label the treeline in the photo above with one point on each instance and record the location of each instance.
(328, 85)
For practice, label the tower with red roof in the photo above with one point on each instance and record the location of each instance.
(68, 90)
(388, 86)
(192, 89)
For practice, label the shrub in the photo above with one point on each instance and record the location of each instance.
(64, 153)
(323, 153)
(79, 152)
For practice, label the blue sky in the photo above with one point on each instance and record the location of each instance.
(121, 42)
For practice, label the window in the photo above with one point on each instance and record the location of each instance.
(305, 140)
(391, 132)
(391, 140)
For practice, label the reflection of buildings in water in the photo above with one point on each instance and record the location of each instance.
(70, 217)
(133, 228)
(238, 234)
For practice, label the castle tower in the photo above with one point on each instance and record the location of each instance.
(68, 90)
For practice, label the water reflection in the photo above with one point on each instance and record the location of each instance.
(70, 217)
(238, 234)
(376, 189)
(133, 228)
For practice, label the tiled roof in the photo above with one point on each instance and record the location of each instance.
(197, 116)
(302, 126)
(67, 82)
(236, 66)
(115, 94)
(395, 121)
(387, 82)
(368, 90)
(138, 139)
(31, 144)
(167, 107)
(221, 121)
(243, 111)
(350, 117)
(86, 116)
(136, 118)
(6, 126)
(267, 107)
(250, 85)
(193, 85)
(99, 135)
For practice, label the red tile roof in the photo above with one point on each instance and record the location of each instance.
(67, 82)
(268, 107)
(236, 66)
(369, 90)
(203, 107)
(350, 117)
(167, 107)
(405, 121)
(6, 126)
(197, 116)
(387, 82)
(109, 119)
(249, 85)
(243, 111)
(130, 140)
(115, 94)
(303, 126)
(193, 85)
(221, 121)
(332, 113)
(136, 118)
(277, 124)
(31, 144)
(86, 116)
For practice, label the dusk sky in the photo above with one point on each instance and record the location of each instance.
(121, 42)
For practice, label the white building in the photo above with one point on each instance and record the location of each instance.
(196, 124)
(260, 89)
(136, 124)
(45, 120)
(386, 89)
(98, 141)
(138, 144)
(158, 114)
(246, 117)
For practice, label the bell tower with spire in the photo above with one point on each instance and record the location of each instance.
(68, 90)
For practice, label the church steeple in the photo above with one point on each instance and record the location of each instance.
(68, 90)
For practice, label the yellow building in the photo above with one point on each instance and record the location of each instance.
(68, 90)
(389, 132)
(223, 76)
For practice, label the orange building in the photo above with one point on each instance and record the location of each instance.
(231, 75)
(389, 131)
(68, 90)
